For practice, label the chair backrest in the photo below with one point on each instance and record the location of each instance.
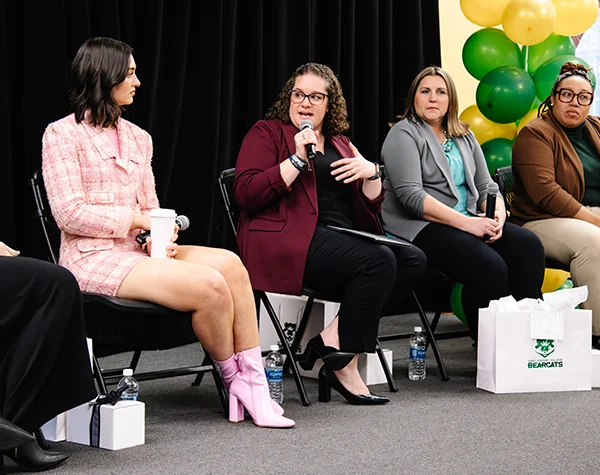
(226, 185)
(505, 179)
(43, 213)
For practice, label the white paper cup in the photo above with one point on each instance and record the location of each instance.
(162, 228)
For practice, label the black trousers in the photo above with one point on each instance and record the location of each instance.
(513, 265)
(44, 363)
(361, 275)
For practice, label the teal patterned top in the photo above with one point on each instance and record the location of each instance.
(457, 167)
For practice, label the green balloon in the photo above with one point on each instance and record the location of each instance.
(568, 284)
(505, 94)
(497, 153)
(488, 49)
(456, 302)
(553, 46)
(547, 73)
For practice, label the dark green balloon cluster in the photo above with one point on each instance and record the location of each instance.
(513, 80)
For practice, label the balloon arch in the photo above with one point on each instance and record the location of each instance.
(517, 66)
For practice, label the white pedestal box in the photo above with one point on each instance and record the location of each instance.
(596, 368)
(55, 430)
(370, 368)
(121, 425)
(289, 309)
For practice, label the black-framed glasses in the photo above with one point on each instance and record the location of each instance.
(584, 98)
(316, 98)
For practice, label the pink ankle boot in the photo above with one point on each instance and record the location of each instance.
(229, 368)
(249, 389)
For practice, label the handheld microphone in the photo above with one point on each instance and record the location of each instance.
(182, 221)
(310, 148)
(490, 203)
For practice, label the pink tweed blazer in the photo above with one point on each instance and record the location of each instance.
(93, 194)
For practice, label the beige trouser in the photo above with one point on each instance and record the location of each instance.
(575, 243)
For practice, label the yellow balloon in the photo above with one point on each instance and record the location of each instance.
(553, 279)
(574, 16)
(485, 129)
(529, 22)
(484, 12)
(532, 114)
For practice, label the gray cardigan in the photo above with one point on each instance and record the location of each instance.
(416, 166)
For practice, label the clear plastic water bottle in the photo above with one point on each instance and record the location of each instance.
(418, 346)
(274, 372)
(133, 387)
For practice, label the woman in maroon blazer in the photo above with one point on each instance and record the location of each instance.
(287, 203)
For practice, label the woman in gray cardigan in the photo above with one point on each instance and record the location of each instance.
(436, 183)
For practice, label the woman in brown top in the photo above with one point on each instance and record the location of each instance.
(556, 164)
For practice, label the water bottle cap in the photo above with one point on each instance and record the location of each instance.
(274, 347)
(418, 329)
(127, 372)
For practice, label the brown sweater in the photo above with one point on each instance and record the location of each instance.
(549, 180)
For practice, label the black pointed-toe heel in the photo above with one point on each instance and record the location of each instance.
(12, 436)
(32, 458)
(328, 380)
(316, 349)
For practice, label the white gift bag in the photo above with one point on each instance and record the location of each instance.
(535, 346)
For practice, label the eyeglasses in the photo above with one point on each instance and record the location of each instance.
(583, 98)
(316, 98)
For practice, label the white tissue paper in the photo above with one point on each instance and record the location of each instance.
(546, 317)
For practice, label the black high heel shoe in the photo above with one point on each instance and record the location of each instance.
(316, 348)
(12, 436)
(328, 380)
(32, 458)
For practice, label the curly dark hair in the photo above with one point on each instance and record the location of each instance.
(567, 70)
(99, 65)
(336, 117)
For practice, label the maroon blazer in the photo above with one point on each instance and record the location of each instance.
(277, 222)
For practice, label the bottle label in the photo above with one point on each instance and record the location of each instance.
(129, 397)
(274, 374)
(417, 354)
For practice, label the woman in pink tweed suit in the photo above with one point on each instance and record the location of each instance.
(99, 180)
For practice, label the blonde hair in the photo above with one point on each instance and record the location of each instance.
(451, 122)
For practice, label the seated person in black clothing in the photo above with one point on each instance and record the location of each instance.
(287, 201)
(44, 362)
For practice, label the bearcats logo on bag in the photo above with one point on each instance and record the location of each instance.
(544, 348)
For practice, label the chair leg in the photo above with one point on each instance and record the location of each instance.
(98, 375)
(41, 440)
(386, 368)
(135, 359)
(431, 339)
(290, 360)
(435, 321)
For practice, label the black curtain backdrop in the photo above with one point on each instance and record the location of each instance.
(209, 69)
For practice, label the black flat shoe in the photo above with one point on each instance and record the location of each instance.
(328, 380)
(316, 348)
(32, 458)
(12, 436)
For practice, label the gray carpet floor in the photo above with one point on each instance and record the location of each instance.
(429, 426)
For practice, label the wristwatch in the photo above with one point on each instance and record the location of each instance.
(377, 173)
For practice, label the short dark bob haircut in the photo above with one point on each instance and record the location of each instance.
(99, 65)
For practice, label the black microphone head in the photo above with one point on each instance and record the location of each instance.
(492, 188)
(183, 222)
(306, 124)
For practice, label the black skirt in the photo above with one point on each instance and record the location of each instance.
(44, 363)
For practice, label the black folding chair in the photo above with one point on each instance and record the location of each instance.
(147, 310)
(506, 182)
(226, 185)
